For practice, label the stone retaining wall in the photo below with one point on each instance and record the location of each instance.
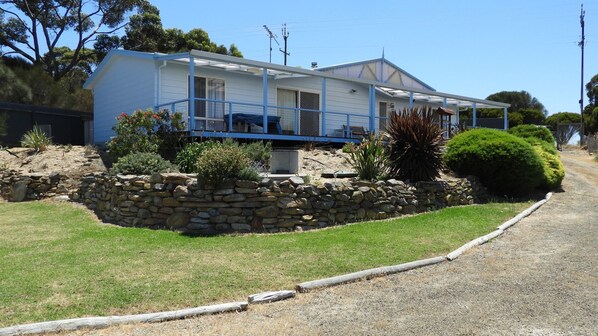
(17, 187)
(179, 202)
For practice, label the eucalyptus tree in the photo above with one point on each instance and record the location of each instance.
(37, 29)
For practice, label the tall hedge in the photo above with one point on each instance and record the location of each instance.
(505, 164)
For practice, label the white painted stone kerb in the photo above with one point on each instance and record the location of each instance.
(499, 230)
(107, 321)
(524, 214)
(268, 297)
(367, 274)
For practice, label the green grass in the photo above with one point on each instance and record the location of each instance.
(57, 261)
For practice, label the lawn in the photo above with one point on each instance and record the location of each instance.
(57, 261)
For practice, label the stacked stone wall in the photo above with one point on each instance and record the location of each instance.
(17, 187)
(179, 202)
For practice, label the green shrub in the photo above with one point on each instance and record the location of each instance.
(259, 152)
(36, 139)
(540, 132)
(249, 173)
(505, 164)
(347, 147)
(141, 163)
(186, 158)
(415, 145)
(145, 131)
(220, 163)
(547, 147)
(554, 172)
(369, 158)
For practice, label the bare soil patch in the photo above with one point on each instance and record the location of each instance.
(72, 161)
(76, 161)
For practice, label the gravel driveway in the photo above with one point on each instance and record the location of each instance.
(539, 278)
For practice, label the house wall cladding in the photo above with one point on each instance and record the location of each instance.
(130, 85)
(179, 202)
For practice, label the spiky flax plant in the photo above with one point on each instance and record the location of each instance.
(415, 145)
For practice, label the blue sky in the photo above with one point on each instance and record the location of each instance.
(467, 47)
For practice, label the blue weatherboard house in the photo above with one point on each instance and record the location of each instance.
(225, 96)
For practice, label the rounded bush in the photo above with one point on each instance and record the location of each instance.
(220, 163)
(547, 147)
(505, 164)
(186, 158)
(554, 172)
(141, 163)
(540, 132)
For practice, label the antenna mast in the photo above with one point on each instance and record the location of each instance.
(285, 36)
(272, 37)
(582, 45)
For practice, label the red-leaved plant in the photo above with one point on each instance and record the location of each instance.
(415, 145)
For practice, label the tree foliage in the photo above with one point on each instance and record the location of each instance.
(30, 27)
(592, 90)
(590, 112)
(519, 100)
(590, 119)
(146, 33)
(24, 83)
(562, 118)
(524, 109)
(13, 89)
(516, 118)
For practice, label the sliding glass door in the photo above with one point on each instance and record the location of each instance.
(291, 100)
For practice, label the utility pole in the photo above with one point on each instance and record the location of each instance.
(285, 36)
(582, 45)
(272, 37)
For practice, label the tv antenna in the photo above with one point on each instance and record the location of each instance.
(285, 36)
(272, 37)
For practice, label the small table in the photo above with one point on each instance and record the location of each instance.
(246, 119)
